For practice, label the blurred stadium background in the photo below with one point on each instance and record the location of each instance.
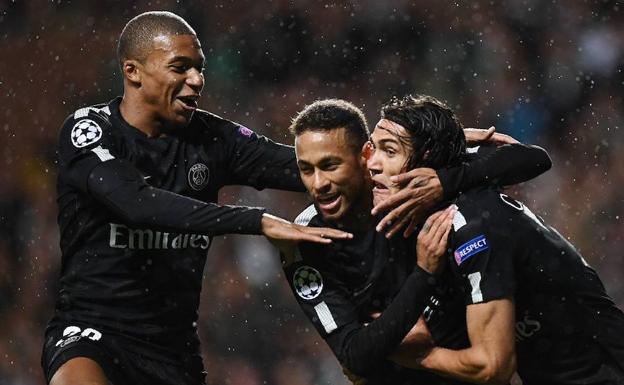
(546, 72)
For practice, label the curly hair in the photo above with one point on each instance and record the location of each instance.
(330, 114)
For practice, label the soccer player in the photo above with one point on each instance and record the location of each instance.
(339, 287)
(138, 178)
(531, 297)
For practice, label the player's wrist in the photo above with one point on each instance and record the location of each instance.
(445, 179)
(425, 276)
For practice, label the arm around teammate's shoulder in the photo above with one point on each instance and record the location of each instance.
(92, 162)
(490, 165)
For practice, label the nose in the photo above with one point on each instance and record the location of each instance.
(195, 79)
(373, 163)
(321, 183)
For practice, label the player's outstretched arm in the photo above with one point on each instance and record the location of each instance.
(120, 187)
(91, 161)
(491, 359)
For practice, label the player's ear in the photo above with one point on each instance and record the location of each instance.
(132, 71)
(367, 151)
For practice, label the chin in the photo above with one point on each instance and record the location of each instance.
(182, 120)
(333, 217)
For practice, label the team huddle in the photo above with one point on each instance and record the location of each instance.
(412, 263)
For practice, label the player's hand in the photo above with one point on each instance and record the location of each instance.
(420, 191)
(284, 234)
(432, 240)
(418, 339)
(477, 135)
(355, 380)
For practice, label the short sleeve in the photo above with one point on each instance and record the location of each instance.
(85, 140)
(481, 252)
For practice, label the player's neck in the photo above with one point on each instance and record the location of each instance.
(359, 218)
(136, 115)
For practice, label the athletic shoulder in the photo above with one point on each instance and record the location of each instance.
(482, 212)
(100, 113)
(483, 203)
(86, 127)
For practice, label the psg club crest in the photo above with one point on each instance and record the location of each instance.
(308, 282)
(85, 132)
(198, 176)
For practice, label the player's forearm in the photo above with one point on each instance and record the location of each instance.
(366, 347)
(473, 365)
(505, 165)
(121, 189)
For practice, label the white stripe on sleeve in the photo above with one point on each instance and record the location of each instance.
(475, 282)
(322, 311)
(102, 153)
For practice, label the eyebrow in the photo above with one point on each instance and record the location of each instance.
(185, 59)
(325, 159)
(389, 140)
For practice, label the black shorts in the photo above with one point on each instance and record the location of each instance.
(121, 364)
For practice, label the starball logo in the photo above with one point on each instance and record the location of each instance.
(123, 237)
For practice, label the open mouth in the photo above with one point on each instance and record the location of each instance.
(189, 102)
(329, 202)
(379, 186)
(380, 192)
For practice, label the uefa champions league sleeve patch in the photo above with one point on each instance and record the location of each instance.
(470, 248)
(308, 282)
(85, 132)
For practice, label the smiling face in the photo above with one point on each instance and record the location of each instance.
(170, 79)
(333, 172)
(390, 157)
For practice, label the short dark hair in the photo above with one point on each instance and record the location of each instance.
(137, 37)
(331, 114)
(435, 133)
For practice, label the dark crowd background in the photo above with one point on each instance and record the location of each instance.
(546, 72)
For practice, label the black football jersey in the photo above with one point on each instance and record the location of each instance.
(568, 330)
(340, 285)
(137, 216)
